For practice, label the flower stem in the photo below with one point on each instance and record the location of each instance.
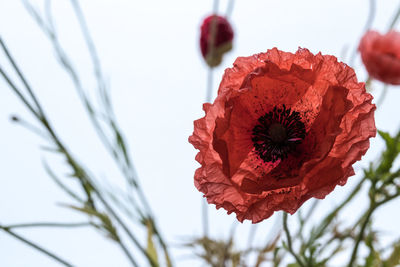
(46, 224)
(229, 8)
(125, 228)
(328, 219)
(22, 77)
(37, 247)
(361, 234)
(289, 241)
(209, 84)
(382, 96)
(367, 26)
(395, 18)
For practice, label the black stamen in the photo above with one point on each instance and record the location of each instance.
(277, 134)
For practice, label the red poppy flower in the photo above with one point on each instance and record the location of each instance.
(215, 39)
(284, 128)
(381, 56)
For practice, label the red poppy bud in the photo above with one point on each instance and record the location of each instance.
(284, 128)
(381, 56)
(215, 39)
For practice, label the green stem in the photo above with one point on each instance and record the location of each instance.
(127, 253)
(229, 8)
(124, 227)
(395, 18)
(22, 77)
(289, 240)
(382, 96)
(328, 219)
(17, 91)
(361, 233)
(45, 224)
(37, 247)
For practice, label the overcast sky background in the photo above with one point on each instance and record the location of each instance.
(150, 55)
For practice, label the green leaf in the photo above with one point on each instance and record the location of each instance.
(373, 260)
(151, 249)
(390, 154)
(386, 137)
(394, 258)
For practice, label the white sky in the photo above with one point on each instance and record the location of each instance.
(150, 55)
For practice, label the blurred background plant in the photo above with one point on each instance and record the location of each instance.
(122, 212)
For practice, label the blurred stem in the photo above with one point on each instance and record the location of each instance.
(37, 247)
(365, 219)
(209, 90)
(328, 219)
(252, 233)
(16, 90)
(204, 208)
(360, 236)
(21, 76)
(204, 205)
(86, 183)
(215, 6)
(395, 18)
(46, 224)
(382, 96)
(303, 219)
(371, 15)
(125, 228)
(117, 148)
(229, 9)
(126, 166)
(289, 241)
(127, 253)
(367, 26)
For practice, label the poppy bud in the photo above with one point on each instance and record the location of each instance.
(215, 39)
(381, 56)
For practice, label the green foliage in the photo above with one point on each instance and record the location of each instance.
(394, 258)
(390, 154)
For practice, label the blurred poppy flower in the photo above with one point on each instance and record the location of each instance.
(284, 128)
(381, 56)
(215, 39)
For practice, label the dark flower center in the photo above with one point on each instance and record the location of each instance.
(277, 134)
